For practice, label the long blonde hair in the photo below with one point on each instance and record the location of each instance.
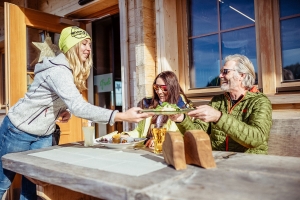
(81, 70)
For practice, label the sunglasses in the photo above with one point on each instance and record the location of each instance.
(226, 71)
(164, 88)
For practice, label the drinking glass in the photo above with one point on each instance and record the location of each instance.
(158, 134)
(89, 132)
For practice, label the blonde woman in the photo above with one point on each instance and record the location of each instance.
(54, 93)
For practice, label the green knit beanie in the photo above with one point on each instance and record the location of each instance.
(70, 36)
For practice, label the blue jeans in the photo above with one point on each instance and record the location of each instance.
(15, 140)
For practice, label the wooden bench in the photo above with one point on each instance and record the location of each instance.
(285, 133)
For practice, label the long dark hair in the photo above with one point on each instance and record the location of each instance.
(173, 88)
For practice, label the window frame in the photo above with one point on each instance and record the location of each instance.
(281, 86)
(183, 54)
(267, 27)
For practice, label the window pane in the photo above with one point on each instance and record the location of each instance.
(203, 17)
(289, 7)
(240, 42)
(118, 92)
(204, 62)
(235, 13)
(290, 44)
(33, 52)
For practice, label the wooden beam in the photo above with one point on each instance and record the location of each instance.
(125, 70)
(71, 8)
(15, 21)
(167, 38)
(107, 11)
(266, 45)
(144, 45)
(182, 45)
(36, 19)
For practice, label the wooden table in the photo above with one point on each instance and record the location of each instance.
(239, 176)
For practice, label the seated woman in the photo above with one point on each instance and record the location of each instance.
(166, 88)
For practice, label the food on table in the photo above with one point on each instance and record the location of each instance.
(165, 106)
(104, 140)
(126, 139)
(116, 138)
(124, 135)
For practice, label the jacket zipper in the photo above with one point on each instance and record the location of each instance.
(229, 112)
(44, 110)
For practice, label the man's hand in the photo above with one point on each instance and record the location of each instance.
(132, 115)
(206, 113)
(64, 117)
(177, 117)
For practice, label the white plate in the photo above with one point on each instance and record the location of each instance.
(138, 141)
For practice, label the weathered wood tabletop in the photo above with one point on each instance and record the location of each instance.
(238, 176)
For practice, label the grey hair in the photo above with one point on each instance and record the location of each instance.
(244, 66)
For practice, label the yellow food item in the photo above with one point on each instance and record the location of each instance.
(117, 136)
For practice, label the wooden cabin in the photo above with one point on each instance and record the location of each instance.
(134, 40)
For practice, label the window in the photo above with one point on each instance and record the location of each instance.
(36, 43)
(118, 93)
(218, 28)
(290, 39)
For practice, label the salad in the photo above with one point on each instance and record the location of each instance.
(165, 106)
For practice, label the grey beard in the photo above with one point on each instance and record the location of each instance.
(225, 88)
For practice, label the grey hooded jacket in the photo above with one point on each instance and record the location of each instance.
(52, 92)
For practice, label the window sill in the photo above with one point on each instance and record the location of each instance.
(277, 99)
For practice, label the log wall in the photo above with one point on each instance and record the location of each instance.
(142, 48)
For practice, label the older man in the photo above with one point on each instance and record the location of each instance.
(238, 120)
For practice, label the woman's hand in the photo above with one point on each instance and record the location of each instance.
(150, 143)
(177, 117)
(132, 115)
(64, 117)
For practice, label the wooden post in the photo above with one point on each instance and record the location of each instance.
(167, 39)
(125, 70)
(266, 46)
(142, 48)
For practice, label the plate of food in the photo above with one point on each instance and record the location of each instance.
(167, 109)
(116, 141)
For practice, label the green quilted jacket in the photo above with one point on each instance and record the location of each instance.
(245, 127)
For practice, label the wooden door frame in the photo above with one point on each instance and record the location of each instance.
(17, 19)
